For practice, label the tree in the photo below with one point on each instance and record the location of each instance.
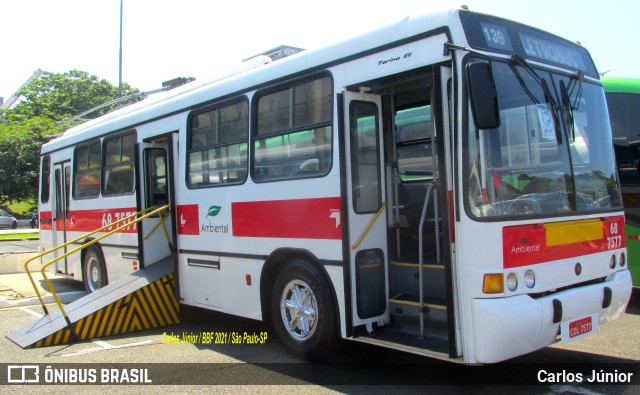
(40, 116)
(19, 157)
(60, 96)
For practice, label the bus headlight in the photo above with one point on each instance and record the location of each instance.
(512, 282)
(529, 279)
(623, 259)
(612, 261)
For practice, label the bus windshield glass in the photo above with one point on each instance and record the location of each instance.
(551, 155)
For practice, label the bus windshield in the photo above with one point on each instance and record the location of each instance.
(552, 153)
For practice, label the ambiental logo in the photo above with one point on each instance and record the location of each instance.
(211, 227)
(213, 211)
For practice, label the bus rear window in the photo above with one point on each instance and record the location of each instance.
(45, 181)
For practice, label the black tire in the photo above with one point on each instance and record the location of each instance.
(313, 334)
(14, 224)
(94, 270)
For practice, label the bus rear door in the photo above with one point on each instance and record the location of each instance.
(155, 190)
(61, 214)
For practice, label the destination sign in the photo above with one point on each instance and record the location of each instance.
(500, 35)
(549, 51)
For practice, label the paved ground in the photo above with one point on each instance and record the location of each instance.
(18, 246)
(17, 291)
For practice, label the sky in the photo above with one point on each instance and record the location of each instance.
(164, 39)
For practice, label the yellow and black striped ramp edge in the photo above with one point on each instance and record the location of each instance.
(140, 301)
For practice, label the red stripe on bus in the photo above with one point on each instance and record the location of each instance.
(88, 220)
(45, 220)
(527, 244)
(316, 218)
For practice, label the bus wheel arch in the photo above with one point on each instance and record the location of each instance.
(94, 268)
(292, 268)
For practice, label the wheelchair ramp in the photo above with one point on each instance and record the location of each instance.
(140, 301)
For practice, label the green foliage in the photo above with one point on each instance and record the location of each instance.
(60, 96)
(22, 209)
(38, 117)
(19, 157)
(22, 236)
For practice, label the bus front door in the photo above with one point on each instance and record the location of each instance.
(61, 215)
(155, 232)
(366, 207)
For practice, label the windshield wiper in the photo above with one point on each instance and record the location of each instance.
(567, 111)
(548, 97)
(577, 82)
(567, 106)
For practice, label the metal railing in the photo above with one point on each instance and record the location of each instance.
(423, 216)
(128, 221)
(369, 226)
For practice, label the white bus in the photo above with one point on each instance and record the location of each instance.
(444, 185)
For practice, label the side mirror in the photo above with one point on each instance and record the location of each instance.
(483, 95)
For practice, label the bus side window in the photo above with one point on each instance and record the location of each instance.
(118, 169)
(156, 185)
(217, 144)
(293, 132)
(86, 171)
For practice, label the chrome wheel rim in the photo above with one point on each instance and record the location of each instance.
(299, 310)
(93, 274)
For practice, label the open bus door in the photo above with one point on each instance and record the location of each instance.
(446, 193)
(61, 215)
(366, 208)
(155, 232)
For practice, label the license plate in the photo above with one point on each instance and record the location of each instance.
(579, 328)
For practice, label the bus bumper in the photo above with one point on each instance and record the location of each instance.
(504, 328)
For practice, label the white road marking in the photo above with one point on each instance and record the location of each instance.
(105, 346)
(33, 313)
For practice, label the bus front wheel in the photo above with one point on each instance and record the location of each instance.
(303, 312)
(95, 272)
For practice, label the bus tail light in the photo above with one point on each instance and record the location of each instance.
(493, 283)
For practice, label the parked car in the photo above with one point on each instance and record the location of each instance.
(7, 221)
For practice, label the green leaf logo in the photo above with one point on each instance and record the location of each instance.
(213, 211)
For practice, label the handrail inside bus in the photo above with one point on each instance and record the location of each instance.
(368, 228)
(423, 217)
(164, 228)
(153, 211)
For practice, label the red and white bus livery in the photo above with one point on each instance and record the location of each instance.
(444, 185)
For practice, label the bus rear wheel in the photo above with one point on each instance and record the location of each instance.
(303, 313)
(94, 270)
